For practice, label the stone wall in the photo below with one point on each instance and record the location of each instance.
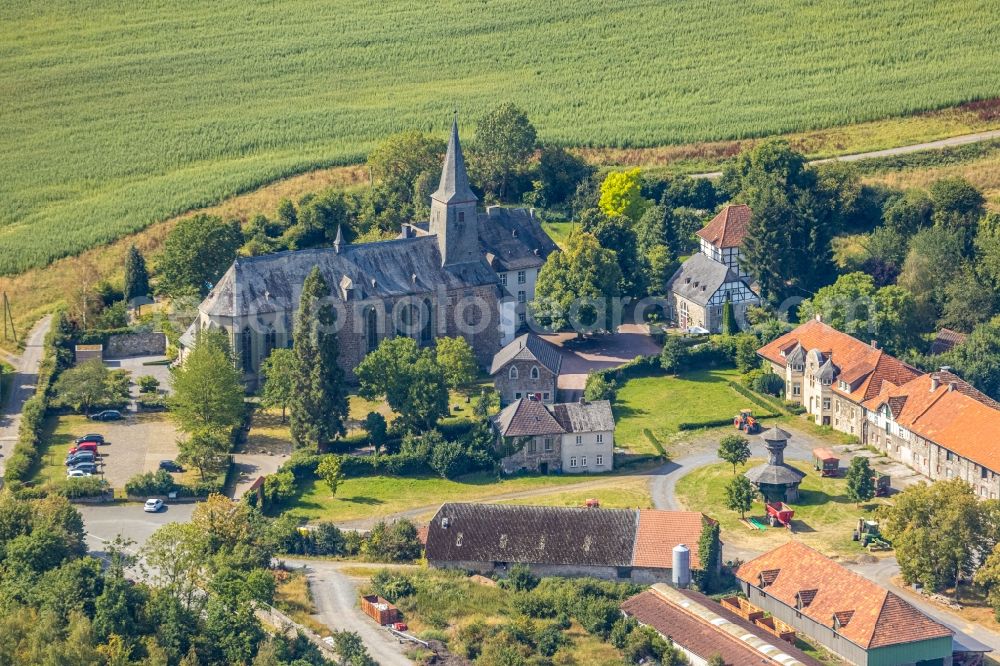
(123, 345)
(512, 389)
(532, 460)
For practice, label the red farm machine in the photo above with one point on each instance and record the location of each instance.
(746, 422)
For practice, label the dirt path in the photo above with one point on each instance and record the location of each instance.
(22, 388)
(889, 152)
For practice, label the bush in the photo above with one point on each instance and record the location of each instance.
(391, 586)
(151, 483)
(148, 384)
(599, 387)
(86, 486)
(392, 542)
(533, 605)
(769, 383)
(279, 487)
(520, 579)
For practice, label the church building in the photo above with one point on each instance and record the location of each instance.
(445, 278)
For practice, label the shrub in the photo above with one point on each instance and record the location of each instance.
(391, 585)
(279, 486)
(151, 483)
(533, 605)
(148, 384)
(769, 383)
(392, 542)
(86, 486)
(599, 387)
(520, 579)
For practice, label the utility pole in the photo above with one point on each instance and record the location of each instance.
(8, 319)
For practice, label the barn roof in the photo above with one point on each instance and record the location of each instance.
(728, 228)
(528, 347)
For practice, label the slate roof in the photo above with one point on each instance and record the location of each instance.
(513, 239)
(561, 535)
(454, 185)
(700, 277)
(527, 418)
(706, 628)
(394, 268)
(528, 347)
(728, 228)
(532, 534)
(871, 616)
(775, 475)
(954, 415)
(594, 416)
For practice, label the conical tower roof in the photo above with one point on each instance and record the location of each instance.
(454, 187)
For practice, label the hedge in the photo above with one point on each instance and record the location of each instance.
(713, 423)
(654, 441)
(757, 399)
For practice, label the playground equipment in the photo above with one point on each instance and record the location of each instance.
(870, 536)
(746, 422)
(825, 462)
(779, 513)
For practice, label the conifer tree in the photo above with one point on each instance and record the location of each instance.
(729, 326)
(319, 400)
(136, 276)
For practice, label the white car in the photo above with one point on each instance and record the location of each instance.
(152, 505)
(77, 473)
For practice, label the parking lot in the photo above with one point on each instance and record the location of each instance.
(136, 444)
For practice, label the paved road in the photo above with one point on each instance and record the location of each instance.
(104, 522)
(901, 150)
(336, 597)
(23, 388)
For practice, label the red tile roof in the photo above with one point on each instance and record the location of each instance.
(526, 418)
(660, 531)
(728, 228)
(870, 615)
(953, 415)
(865, 368)
(946, 340)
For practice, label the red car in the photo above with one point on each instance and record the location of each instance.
(84, 446)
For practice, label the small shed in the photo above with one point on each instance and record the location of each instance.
(825, 462)
(86, 353)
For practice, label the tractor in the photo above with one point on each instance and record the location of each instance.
(746, 422)
(869, 535)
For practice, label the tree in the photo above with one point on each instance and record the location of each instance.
(988, 247)
(84, 385)
(505, 139)
(560, 173)
(618, 234)
(205, 450)
(376, 428)
(734, 449)
(969, 300)
(599, 387)
(208, 389)
(907, 214)
(729, 326)
(977, 359)
(351, 649)
(621, 194)
(177, 555)
(934, 258)
(931, 528)
(319, 396)
(860, 482)
(403, 163)
(957, 204)
(673, 355)
(448, 459)
(709, 555)
(278, 372)
(197, 252)
(659, 266)
(457, 361)
(575, 286)
(409, 378)
(740, 494)
(136, 276)
(330, 469)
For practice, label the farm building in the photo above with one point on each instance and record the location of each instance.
(528, 366)
(449, 277)
(702, 629)
(932, 422)
(615, 544)
(572, 437)
(705, 282)
(853, 617)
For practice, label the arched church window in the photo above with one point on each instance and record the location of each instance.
(246, 349)
(513, 372)
(270, 342)
(426, 330)
(534, 372)
(371, 325)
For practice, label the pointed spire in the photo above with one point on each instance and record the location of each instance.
(454, 187)
(338, 242)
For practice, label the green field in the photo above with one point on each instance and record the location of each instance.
(661, 404)
(115, 116)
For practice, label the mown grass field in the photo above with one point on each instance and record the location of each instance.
(824, 516)
(115, 118)
(661, 404)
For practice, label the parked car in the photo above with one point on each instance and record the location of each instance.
(153, 505)
(77, 473)
(88, 467)
(82, 456)
(91, 437)
(84, 446)
(107, 415)
(170, 466)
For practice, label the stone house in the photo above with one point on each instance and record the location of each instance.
(615, 544)
(439, 282)
(848, 614)
(528, 366)
(572, 438)
(700, 288)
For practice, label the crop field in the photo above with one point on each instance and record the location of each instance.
(116, 116)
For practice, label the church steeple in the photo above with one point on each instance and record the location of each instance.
(454, 219)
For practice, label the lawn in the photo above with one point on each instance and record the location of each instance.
(824, 516)
(377, 496)
(625, 494)
(656, 406)
(118, 118)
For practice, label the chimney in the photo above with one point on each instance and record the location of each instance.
(935, 382)
(945, 368)
(874, 344)
(819, 317)
(405, 230)
(531, 213)
(952, 386)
